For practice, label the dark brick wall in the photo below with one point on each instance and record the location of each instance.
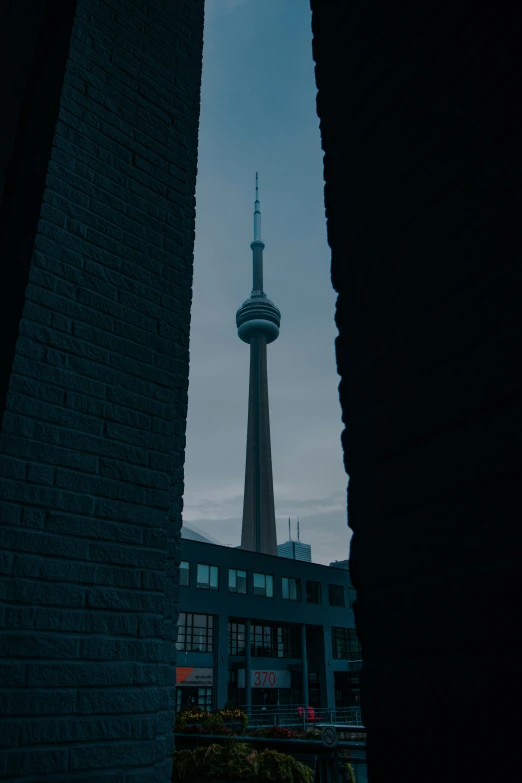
(420, 117)
(93, 434)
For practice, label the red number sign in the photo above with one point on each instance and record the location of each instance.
(264, 679)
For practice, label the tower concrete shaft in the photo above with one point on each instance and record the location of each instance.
(258, 321)
(259, 528)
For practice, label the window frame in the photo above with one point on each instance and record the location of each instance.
(234, 589)
(186, 636)
(184, 570)
(266, 577)
(211, 569)
(236, 637)
(286, 580)
(275, 640)
(345, 641)
(331, 588)
(314, 584)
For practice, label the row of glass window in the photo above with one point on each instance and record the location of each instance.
(269, 640)
(207, 578)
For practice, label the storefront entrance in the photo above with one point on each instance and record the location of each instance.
(265, 697)
(193, 688)
(188, 697)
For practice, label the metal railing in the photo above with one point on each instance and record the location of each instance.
(298, 715)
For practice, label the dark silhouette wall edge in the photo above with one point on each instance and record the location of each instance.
(40, 45)
(420, 121)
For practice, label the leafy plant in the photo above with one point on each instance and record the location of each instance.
(184, 765)
(273, 766)
(234, 714)
(194, 728)
(278, 732)
(313, 734)
(351, 773)
(240, 765)
(212, 722)
(239, 762)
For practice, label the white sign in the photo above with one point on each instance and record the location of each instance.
(191, 675)
(329, 736)
(265, 678)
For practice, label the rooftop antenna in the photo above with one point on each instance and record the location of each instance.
(298, 528)
(289, 531)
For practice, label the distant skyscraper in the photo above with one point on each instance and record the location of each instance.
(295, 550)
(258, 322)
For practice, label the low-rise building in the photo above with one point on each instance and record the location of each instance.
(296, 616)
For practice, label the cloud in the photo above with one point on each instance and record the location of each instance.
(326, 532)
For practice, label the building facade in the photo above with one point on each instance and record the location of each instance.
(295, 550)
(303, 647)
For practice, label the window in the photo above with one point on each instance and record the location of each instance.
(276, 641)
(264, 585)
(205, 698)
(207, 577)
(345, 644)
(195, 632)
(236, 638)
(188, 698)
(184, 573)
(313, 592)
(352, 596)
(237, 581)
(267, 640)
(336, 595)
(291, 588)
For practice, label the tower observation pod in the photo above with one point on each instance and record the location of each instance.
(258, 321)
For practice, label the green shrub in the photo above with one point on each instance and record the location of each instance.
(238, 762)
(313, 734)
(273, 766)
(351, 773)
(184, 765)
(211, 722)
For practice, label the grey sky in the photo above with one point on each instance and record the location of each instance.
(258, 114)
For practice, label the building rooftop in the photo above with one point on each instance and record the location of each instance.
(238, 555)
(191, 533)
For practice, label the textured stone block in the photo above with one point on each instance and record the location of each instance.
(37, 762)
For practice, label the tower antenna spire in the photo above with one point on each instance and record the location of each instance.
(298, 528)
(289, 531)
(257, 214)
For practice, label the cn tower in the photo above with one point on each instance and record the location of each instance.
(258, 322)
